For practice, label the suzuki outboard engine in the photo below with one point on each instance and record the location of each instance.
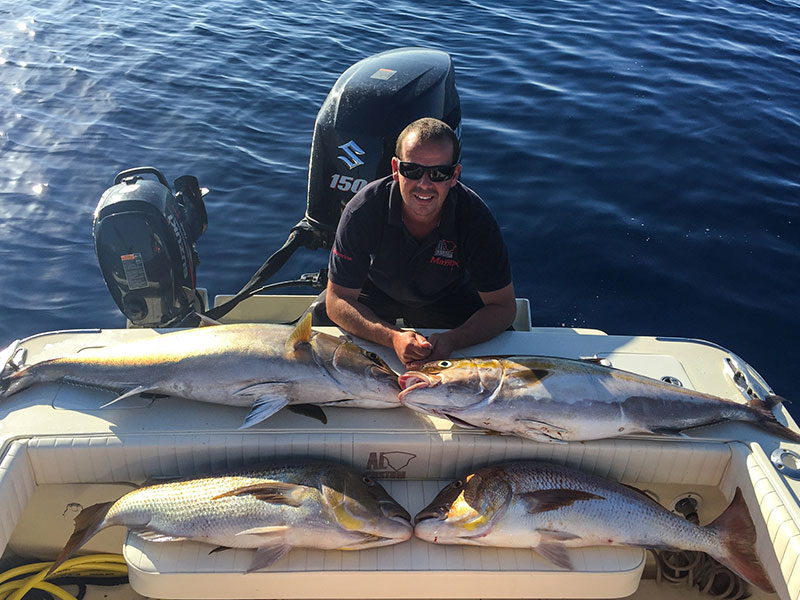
(353, 144)
(358, 124)
(144, 237)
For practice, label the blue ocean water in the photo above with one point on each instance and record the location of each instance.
(643, 160)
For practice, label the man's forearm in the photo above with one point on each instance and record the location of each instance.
(360, 320)
(483, 325)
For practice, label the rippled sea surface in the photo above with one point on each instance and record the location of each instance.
(642, 160)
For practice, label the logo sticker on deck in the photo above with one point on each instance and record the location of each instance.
(389, 465)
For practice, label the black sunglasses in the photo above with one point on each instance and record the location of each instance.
(436, 174)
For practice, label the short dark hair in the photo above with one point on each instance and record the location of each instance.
(429, 129)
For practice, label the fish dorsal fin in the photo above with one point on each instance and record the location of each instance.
(300, 335)
(273, 492)
(546, 500)
(267, 555)
(552, 547)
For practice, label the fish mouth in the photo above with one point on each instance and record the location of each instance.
(370, 540)
(415, 380)
(427, 514)
(384, 373)
(395, 512)
(399, 529)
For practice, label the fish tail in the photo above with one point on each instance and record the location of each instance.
(738, 537)
(15, 377)
(8, 367)
(15, 382)
(768, 422)
(88, 522)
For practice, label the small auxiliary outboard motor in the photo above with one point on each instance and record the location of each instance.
(144, 237)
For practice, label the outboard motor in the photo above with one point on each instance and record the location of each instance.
(144, 237)
(354, 138)
(358, 124)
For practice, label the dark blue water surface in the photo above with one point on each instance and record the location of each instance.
(643, 160)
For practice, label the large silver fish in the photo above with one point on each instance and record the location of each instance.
(558, 399)
(551, 508)
(271, 509)
(261, 367)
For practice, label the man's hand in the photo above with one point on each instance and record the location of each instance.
(442, 346)
(411, 347)
(348, 313)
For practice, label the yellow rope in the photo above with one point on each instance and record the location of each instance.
(96, 564)
(42, 585)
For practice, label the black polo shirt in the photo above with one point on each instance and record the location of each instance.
(373, 246)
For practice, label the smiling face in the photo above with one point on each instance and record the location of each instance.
(423, 198)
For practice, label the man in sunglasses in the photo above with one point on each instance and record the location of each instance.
(420, 246)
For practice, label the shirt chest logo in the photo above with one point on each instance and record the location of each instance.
(443, 254)
(445, 249)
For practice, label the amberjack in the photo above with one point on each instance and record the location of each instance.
(559, 399)
(259, 366)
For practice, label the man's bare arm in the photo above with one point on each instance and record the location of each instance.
(497, 314)
(347, 312)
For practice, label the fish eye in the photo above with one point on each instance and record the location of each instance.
(367, 480)
(459, 483)
(444, 364)
(370, 355)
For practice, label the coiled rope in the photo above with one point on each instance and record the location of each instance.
(698, 569)
(17, 582)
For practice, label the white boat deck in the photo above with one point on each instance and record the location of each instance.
(61, 451)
